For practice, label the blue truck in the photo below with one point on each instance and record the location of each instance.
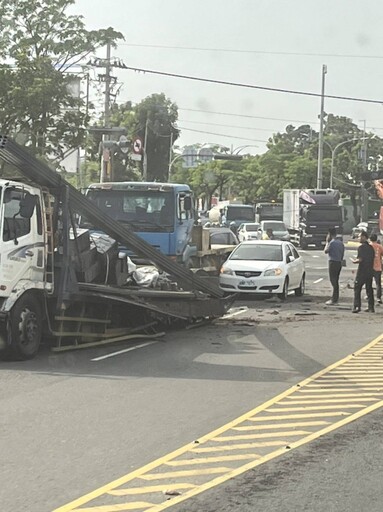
(163, 215)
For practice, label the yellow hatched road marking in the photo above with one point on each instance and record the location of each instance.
(307, 398)
(358, 373)
(150, 489)
(314, 408)
(329, 401)
(276, 409)
(351, 378)
(182, 474)
(341, 385)
(239, 446)
(282, 425)
(294, 433)
(343, 390)
(139, 505)
(299, 416)
(207, 460)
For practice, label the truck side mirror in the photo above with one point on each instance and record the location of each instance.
(187, 203)
(27, 205)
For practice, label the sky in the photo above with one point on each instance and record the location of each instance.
(271, 43)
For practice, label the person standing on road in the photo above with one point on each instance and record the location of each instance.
(377, 266)
(364, 274)
(269, 235)
(335, 250)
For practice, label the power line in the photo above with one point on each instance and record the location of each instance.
(259, 52)
(250, 86)
(221, 135)
(228, 126)
(248, 116)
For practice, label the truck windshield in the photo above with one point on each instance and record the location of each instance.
(240, 213)
(142, 209)
(324, 215)
(271, 211)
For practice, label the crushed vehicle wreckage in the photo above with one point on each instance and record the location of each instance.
(74, 287)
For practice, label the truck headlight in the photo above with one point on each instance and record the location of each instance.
(227, 271)
(273, 272)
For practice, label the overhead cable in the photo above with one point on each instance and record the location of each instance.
(257, 87)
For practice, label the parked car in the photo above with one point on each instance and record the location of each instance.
(248, 231)
(222, 236)
(264, 267)
(362, 226)
(278, 228)
(371, 227)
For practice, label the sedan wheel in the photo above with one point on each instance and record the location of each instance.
(283, 295)
(301, 290)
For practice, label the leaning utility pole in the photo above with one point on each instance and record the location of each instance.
(106, 158)
(320, 146)
(106, 147)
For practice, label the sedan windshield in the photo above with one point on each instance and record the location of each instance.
(258, 252)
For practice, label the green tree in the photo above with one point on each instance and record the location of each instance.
(41, 41)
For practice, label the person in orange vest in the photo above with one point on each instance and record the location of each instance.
(378, 249)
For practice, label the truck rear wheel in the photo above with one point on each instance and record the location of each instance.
(26, 328)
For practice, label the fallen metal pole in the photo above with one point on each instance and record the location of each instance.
(43, 175)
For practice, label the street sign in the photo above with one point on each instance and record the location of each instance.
(189, 156)
(135, 157)
(137, 145)
(124, 144)
(205, 155)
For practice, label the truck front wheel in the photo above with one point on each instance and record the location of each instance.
(26, 327)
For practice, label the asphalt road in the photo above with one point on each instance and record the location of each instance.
(70, 424)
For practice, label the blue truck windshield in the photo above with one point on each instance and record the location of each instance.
(144, 210)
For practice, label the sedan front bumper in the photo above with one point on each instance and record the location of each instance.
(260, 284)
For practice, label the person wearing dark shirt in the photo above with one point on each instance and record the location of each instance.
(335, 250)
(364, 275)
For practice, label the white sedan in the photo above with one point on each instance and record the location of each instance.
(248, 231)
(264, 266)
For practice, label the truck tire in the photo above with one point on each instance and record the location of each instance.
(283, 295)
(26, 328)
(301, 290)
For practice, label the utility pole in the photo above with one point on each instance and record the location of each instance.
(170, 156)
(320, 147)
(363, 191)
(145, 163)
(106, 158)
(107, 145)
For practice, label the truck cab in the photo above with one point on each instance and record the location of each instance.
(160, 213)
(22, 239)
(268, 211)
(237, 214)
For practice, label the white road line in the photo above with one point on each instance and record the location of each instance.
(235, 313)
(315, 256)
(318, 280)
(123, 351)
